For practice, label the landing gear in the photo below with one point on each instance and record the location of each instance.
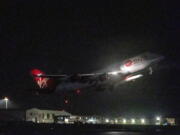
(150, 70)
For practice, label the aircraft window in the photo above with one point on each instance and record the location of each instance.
(48, 115)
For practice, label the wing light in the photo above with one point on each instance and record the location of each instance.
(130, 78)
(114, 73)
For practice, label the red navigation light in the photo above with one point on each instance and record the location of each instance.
(66, 101)
(78, 91)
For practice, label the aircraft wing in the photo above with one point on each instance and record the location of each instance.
(131, 69)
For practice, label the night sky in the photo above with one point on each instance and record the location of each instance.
(85, 37)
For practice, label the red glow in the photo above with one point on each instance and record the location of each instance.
(36, 72)
(128, 63)
(78, 91)
(41, 81)
(66, 101)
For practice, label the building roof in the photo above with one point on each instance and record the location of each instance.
(56, 112)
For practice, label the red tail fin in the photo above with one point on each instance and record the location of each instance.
(42, 82)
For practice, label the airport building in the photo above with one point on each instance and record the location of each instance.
(62, 117)
(45, 116)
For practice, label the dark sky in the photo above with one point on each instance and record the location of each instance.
(84, 37)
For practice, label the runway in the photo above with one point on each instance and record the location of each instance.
(15, 128)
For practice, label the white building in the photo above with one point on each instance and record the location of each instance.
(44, 116)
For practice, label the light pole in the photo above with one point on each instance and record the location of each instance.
(6, 102)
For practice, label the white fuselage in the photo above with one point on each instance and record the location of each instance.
(134, 64)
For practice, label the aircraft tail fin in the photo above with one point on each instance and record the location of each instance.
(42, 81)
